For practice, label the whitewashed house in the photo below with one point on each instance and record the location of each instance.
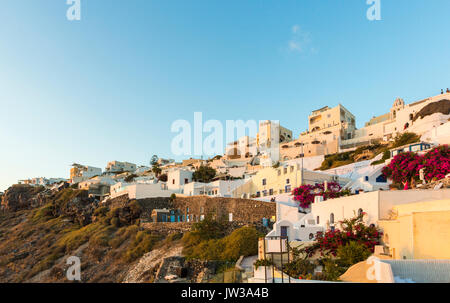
(177, 178)
(301, 225)
(140, 190)
(219, 188)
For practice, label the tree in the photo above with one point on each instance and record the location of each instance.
(155, 165)
(162, 178)
(204, 174)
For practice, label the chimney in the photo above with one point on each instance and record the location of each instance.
(442, 91)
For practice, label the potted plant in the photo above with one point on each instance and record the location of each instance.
(263, 269)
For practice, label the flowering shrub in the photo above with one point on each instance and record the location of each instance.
(305, 194)
(352, 230)
(436, 163)
(406, 166)
(403, 167)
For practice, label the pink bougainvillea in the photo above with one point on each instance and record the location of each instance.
(407, 166)
(305, 194)
(403, 167)
(436, 163)
(352, 229)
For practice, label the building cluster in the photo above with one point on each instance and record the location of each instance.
(268, 167)
(274, 162)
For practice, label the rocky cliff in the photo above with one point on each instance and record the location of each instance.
(40, 229)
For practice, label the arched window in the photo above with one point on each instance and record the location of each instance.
(318, 220)
(360, 212)
(332, 218)
(311, 236)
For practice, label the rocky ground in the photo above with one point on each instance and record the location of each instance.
(40, 229)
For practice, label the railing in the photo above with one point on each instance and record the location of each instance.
(284, 249)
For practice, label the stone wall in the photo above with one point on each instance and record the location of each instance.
(148, 205)
(243, 210)
(168, 227)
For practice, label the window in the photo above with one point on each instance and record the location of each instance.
(271, 192)
(381, 179)
(285, 170)
(311, 236)
(279, 172)
(360, 212)
(332, 218)
(284, 231)
(173, 181)
(292, 169)
(287, 181)
(264, 181)
(186, 181)
(318, 220)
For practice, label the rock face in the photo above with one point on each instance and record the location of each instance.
(149, 264)
(75, 204)
(442, 107)
(19, 197)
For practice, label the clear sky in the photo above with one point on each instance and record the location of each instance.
(109, 86)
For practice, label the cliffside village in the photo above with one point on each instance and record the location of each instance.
(414, 221)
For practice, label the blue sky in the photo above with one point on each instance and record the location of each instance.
(108, 87)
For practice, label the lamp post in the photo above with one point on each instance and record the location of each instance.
(303, 155)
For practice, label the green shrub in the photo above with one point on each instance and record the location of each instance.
(101, 211)
(115, 222)
(405, 138)
(352, 253)
(332, 270)
(44, 213)
(174, 237)
(242, 242)
(299, 268)
(122, 235)
(262, 262)
(77, 237)
(386, 156)
(143, 243)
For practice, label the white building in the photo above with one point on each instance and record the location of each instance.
(140, 190)
(41, 181)
(96, 180)
(219, 188)
(324, 215)
(141, 170)
(177, 178)
(79, 173)
(401, 118)
(119, 167)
